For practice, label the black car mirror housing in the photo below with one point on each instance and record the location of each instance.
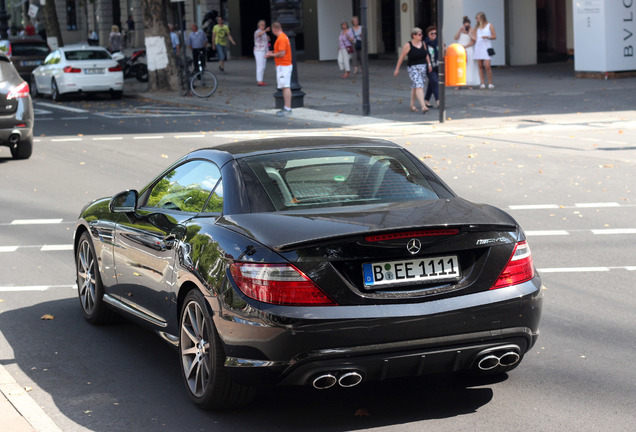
(124, 202)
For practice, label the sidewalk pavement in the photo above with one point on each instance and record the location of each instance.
(524, 96)
(545, 95)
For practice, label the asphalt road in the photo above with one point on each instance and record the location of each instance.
(571, 189)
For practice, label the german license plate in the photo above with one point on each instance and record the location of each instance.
(31, 62)
(415, 270)
(93, 71)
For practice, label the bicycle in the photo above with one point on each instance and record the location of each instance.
(199, 82)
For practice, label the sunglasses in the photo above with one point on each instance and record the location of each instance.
(433, 33)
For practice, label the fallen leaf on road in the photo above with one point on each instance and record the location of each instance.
(47, 317)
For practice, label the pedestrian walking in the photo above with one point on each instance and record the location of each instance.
(220, 36)
(484, 33)
(345, 48)
(418, 65)
(174, 40)
(197, 42)
(114, 39)
(261, 44)
(356, 58)
(432, 87)
(282, 56)
(465, 38)
(130, 33)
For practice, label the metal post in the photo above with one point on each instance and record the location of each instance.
(4, 21)
(441, 74)
(366, 107)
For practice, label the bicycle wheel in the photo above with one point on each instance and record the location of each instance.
(203, 84)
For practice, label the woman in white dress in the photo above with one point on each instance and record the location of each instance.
(483, 33)
(261, 43)
(464, 38)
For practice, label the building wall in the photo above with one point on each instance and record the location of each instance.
(522, 42)
(330, 13)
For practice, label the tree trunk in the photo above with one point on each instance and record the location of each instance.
(162, 66)
(51, 22)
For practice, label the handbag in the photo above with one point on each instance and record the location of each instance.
(491, 51)
(349, 49)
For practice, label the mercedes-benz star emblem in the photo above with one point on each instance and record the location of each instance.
(414, 246)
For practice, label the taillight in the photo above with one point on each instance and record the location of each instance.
(19, 91)
(409, 234)
(71, 69)
(115, 69)
(519, 269)
(281, 284)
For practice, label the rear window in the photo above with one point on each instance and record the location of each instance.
(8, 72)
(30, 49)
(87, 55)
(340, 177)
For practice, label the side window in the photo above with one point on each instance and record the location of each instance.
(49, 58)
(215, 203)
(186, 188)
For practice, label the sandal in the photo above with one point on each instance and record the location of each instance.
(428, 105)
(413, 108)
(424, 111)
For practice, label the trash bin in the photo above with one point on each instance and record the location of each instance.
(455, 62)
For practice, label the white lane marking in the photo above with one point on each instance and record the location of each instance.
(592, 205)
(574, 269)
(148, 137)
(65, 139)
(74, 118)
(34, 288)
(614, 231)
(35, 221)
(189, 136)
(533, 207)
(547, 233)
(61, 107)
(108, 138)
(62, 247)
(37, 111)
(630, 268)
(8, 248)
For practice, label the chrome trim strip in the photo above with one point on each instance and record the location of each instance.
(170, 338)
(239, 362)
(139, 314)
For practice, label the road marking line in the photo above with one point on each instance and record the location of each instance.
(62, 107)
(74, 118)
(148, 137)
(65, 139)
(8, 248)
(630, 268)
(591, 205)
(62, 247)
(34, 288)
(614, 231)
(35, 221)
(189, 136)
(533, 207)
(547, 233)
(573, 269)
(108, 138)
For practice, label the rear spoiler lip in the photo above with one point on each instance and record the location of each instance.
(285, 247)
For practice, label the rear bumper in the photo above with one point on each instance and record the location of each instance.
(444, 337)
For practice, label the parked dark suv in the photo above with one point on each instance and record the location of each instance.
(25, 53)
(16, 111)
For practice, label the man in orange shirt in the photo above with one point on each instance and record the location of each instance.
(282, 56)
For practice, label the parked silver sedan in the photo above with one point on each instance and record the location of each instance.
(78, 69)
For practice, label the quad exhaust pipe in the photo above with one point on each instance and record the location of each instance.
(345, 379)
(505, 357)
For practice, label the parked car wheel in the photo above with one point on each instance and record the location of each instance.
(55, 91)
(34, 88)
(201, 356)
(22, 150)
(89, 283)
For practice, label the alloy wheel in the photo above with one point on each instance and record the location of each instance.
(86, 277)
(195, 348)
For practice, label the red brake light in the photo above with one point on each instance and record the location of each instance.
(115, 69)
(19, 91)
(71, 69)
(409, 234)
(281, 284)
(519, 269)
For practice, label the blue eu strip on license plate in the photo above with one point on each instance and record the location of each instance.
(416, 270)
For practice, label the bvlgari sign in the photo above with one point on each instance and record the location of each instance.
(604, 35)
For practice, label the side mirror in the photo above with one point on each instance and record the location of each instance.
(124, 202)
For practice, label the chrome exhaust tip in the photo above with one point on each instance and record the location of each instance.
(14, 138)
(350, 379)
(324, 382)
(489, 362)
(509, 359)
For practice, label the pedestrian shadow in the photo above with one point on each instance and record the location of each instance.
(100, 377)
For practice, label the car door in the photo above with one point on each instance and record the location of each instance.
(146, 243)
(43, 73)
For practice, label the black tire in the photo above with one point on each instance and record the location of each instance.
(203, 84)
(116, 95)
(23, 149)
(89, 283)
(201, 357)
(55, 91)
(140, 71)
(34, 88)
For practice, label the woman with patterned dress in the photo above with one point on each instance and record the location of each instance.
(418, 65)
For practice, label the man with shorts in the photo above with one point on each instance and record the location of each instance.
(282, 56)
(197, 43)
(220, 35)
